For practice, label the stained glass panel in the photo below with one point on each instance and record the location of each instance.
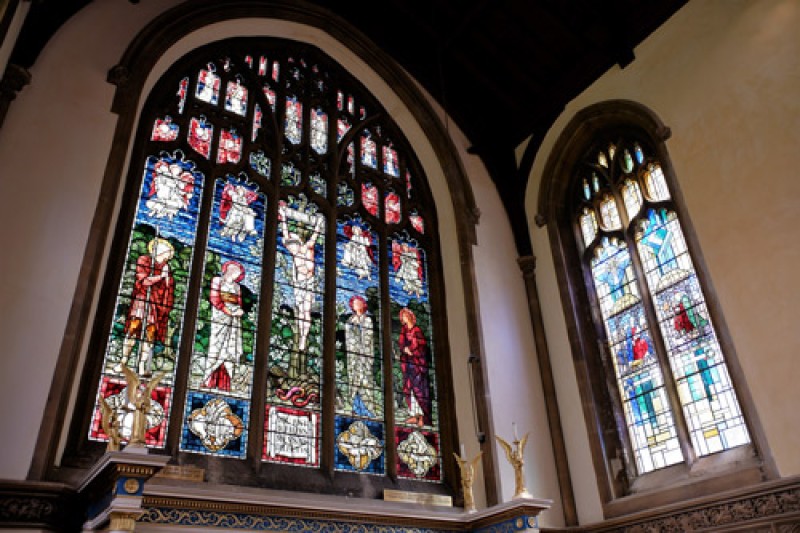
(224, 349)
(200, 133)
(359, 446)
(641, 384)
(319, 130)
(392, 208)
(632, 196)
(359, 368)
(655, 184)
(588, 224)
(293, 122)
(295, 355)
(164, 130)
(230, 147)
(236, 97)
(146, 330)
(208, 85)
(704, 386)
(183, 89)
(416, 407)
(390, 165)
(609, 213)
(369, 151)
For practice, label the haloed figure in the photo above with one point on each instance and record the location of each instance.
(414, 365)
(225, 341)
(151, 302)
(359, 338)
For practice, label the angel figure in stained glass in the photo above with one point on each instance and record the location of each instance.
(151, 302)
(200, 133)
(392, 204)
(170, 191)
(408, 267)
(359, 339)
(236, 98)
(208, 85)
(358, 254)
(235, 214)
(225, 340)
(230, 147)
(304, 279)
(369, 198)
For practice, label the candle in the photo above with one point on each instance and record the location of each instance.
(463, 452)
(514, 425)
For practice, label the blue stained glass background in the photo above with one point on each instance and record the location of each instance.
(191, 443)
(341, 461)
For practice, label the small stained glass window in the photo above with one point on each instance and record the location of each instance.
(659, 335)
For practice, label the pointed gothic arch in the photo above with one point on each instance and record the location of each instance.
(609, 182)
(130, 77)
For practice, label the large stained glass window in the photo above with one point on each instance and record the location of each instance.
(277, 279)
(672, 381)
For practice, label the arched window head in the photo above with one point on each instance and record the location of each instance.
(672, 383)
(276, 284)
(662, 394)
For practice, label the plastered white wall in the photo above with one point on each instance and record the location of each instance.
(724, 75)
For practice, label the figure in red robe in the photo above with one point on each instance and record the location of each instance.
(414, 365)
(151, 302)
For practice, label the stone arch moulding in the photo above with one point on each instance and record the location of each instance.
(130, 76)
(553, 212)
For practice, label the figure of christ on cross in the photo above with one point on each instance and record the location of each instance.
(303, 278)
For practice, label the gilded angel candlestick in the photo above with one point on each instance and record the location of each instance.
(138, 397)
(467, 479)
(514, 454)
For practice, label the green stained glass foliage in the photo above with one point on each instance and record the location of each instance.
(295, 360)
(359, 368)
(151, 299)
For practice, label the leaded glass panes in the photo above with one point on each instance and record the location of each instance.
(359, 369)
(660, 338)
(588, 223)
(416, 407)
(609, 213)
(293, 123)
(208, 85)
(200, 134)
(230, 239)
(236, 97)
(319, 131)
(221, 372)
(164, 130)
(632, 197)
(147, 326)
(705, 389)
(650, 426)
(655, 184)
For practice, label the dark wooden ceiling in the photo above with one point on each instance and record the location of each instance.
(503, 69)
